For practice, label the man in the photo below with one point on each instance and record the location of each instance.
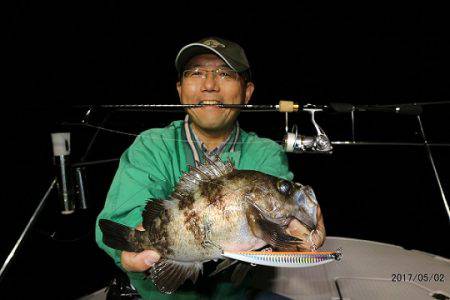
(211, 71)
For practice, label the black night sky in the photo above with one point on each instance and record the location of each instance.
(59, 57)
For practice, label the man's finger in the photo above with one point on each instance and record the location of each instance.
(149, 257)
(139, 262)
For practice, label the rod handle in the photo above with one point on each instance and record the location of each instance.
(287, 106)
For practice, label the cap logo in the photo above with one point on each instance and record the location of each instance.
(213, 44)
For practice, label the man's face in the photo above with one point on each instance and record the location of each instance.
(211, 88)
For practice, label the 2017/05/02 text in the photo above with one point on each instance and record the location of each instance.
(418, 277)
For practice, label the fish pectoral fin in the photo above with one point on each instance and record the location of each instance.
(168, 274)
(194, 276)
(270, 232)
(153, 209)
(239, 273)
(228, 262)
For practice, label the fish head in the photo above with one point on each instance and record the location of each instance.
(293, 200)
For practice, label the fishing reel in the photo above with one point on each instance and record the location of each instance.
(295, 143)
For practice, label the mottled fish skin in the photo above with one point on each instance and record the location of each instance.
(215, 221)
(215, 218)
(214, 208)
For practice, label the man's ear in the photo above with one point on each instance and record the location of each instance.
(249, 91)
(179, 89)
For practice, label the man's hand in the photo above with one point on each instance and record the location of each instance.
(139, 262)
(310, 241)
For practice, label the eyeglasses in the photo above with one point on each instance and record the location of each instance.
(225, 75)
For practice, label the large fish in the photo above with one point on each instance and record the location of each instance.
(213, 208)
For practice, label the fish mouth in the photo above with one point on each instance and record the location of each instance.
(309, 223)
(307, 207)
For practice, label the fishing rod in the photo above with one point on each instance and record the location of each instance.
(282, 106)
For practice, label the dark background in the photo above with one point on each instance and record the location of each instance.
(59, 56)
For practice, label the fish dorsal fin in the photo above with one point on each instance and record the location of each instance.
(168, 274)
(207, 171)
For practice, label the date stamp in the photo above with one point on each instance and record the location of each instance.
(418, 277)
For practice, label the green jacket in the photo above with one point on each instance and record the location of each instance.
(152, 166)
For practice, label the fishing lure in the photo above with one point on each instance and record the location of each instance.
(285, 259)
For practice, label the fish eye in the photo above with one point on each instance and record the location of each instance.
(284, 187)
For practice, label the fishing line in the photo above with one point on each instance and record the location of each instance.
(148, 135)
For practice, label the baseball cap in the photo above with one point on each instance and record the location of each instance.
(231, 53)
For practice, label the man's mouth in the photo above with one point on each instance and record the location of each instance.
(210, 102)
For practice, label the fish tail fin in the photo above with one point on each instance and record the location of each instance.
(119, 236)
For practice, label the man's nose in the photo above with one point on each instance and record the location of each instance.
(210, 83)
